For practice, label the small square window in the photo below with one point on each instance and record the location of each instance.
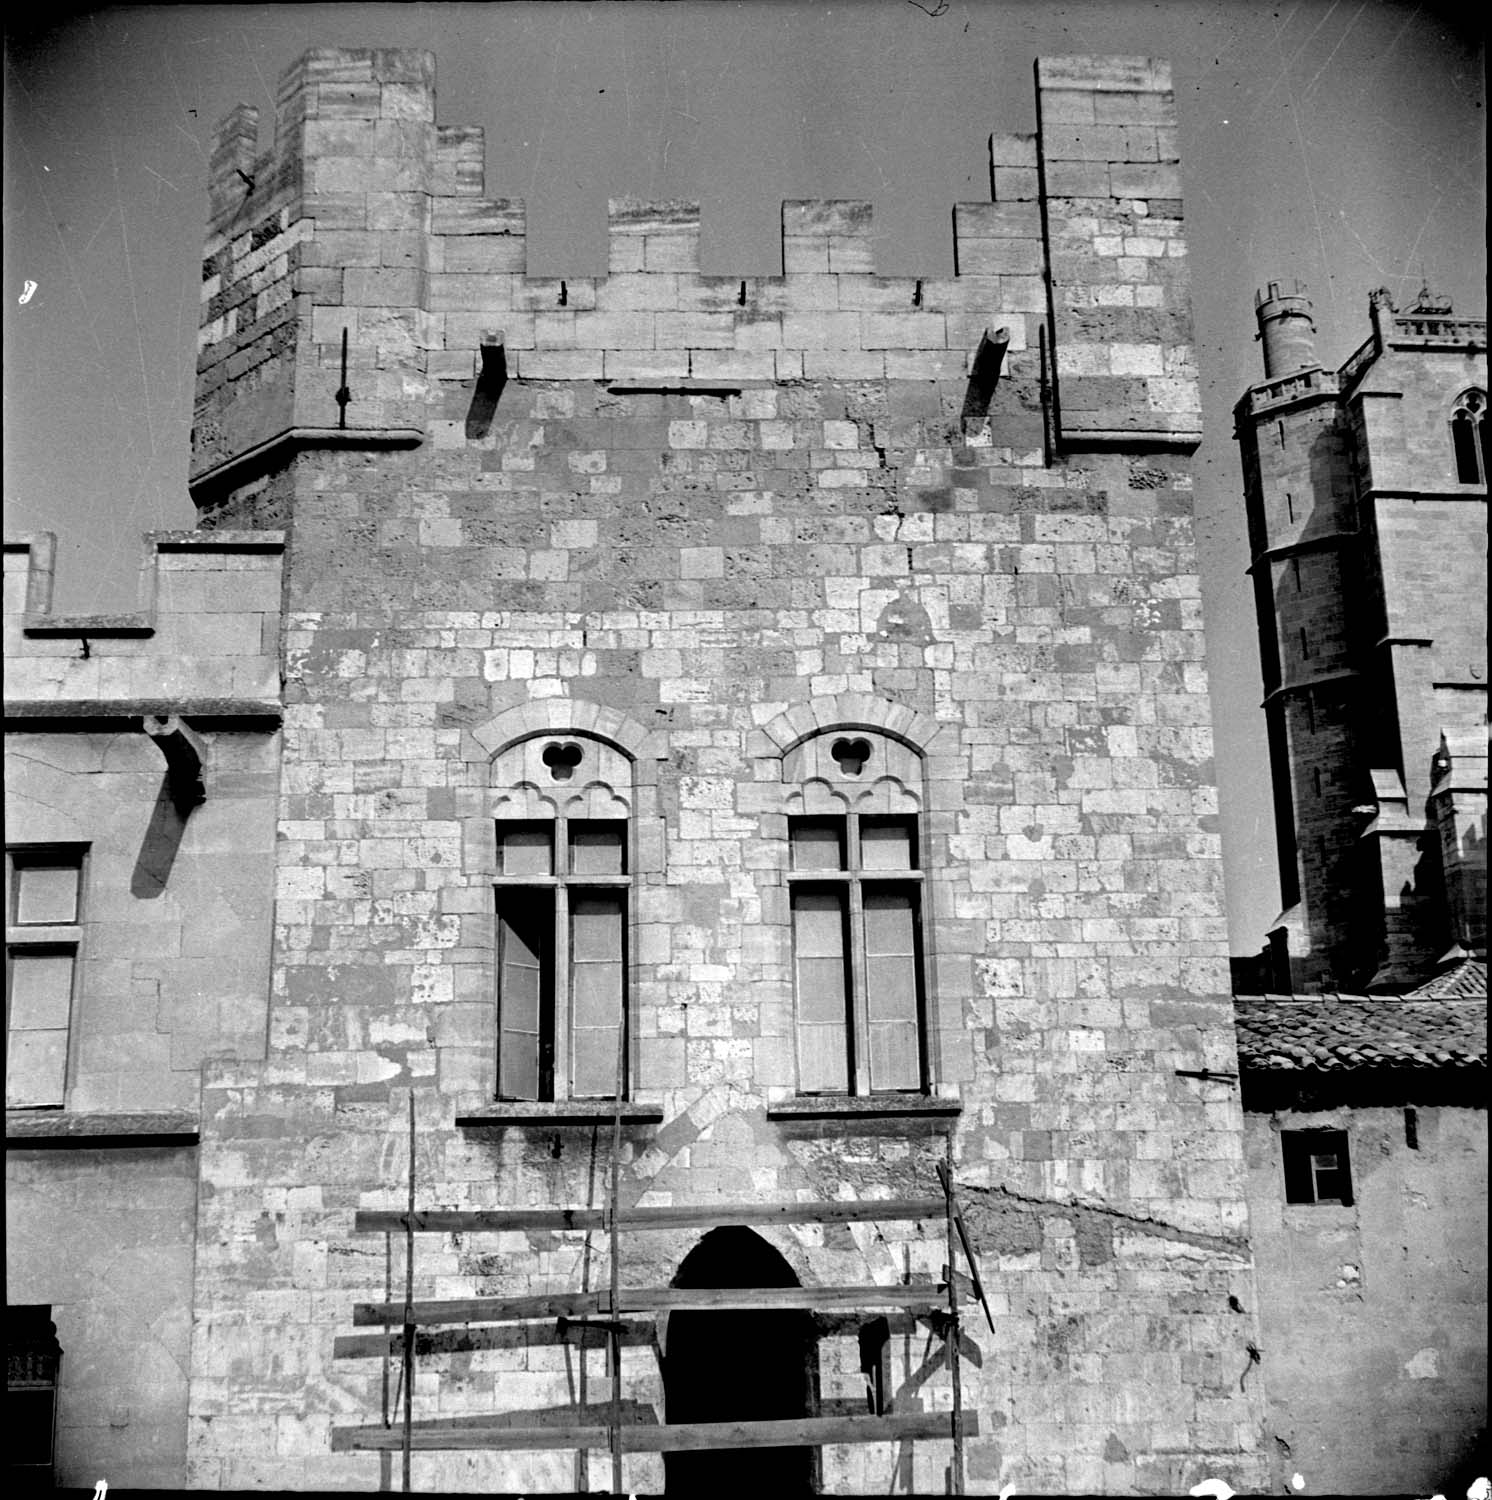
(888, 844)
(525, 849)
(817, 843)
(598, 848)
(1317, 1166)
(46, 889)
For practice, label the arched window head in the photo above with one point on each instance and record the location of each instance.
(1469, 437)
(853, 770)
(562, 886)
(853, 799)
(562, 775)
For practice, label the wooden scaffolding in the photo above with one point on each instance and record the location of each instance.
(628, 1429)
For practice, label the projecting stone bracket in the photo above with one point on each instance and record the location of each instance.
(185, 753)
(491, 377)
(984, 376)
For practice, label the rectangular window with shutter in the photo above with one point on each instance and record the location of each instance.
(561, 892)
(822, 980)
(856, 902)
(44, 892)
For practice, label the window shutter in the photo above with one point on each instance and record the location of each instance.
(596, 994)
(823, 995)
(891, 990)
(41, 986)
(524, 928)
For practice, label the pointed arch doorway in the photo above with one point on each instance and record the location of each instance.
(739, 1367)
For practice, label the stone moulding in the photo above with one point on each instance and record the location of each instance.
(565, 716)
(101, 714)
(847, 711)
(63, 1130)
(40, 551)
(544, 1113)
(275, 451)
(865, 1107)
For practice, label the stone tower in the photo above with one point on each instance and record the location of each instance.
(1366, 494)
(784, 694)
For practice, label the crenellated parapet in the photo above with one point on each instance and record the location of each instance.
(1110, 174)
(357, 262)
(203, 641)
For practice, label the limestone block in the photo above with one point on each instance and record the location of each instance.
(646, 236)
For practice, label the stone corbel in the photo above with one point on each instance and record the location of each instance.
(1388, 812)
(185, 754)
(984, 376)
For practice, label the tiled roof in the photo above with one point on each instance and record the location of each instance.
(1466, 981)
(1333, 1033)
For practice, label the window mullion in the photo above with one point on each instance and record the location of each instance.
(563, 961)
(859, 1005)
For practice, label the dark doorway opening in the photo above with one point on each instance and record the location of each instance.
(739, 1367)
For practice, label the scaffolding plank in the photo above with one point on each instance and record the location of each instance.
(925, 1298)
(681, 1216)
(635, 1413)
(675, 1438)
(448, 1221)
(636, 1333)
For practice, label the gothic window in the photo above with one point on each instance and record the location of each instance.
(43, 916)
(855, 894)
(1469, 437)
(562, 888)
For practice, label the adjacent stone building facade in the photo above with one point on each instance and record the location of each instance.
(1365, 1114)
(1366, 490)
(141, 774)
(784, 694)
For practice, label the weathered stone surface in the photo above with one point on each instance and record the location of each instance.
(706, 588)
(1402, 1271)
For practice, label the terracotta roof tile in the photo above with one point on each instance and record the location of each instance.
(1334, 1033)
(1466, 981)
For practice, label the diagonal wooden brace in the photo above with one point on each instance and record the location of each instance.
(967, 1243)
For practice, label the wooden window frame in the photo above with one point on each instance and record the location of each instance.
(43, 939)
(562, 887)
(852, 880)
(1299, 1150)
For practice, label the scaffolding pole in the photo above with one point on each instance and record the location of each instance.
(614, 1338)
(945, 1172)
(409, 1309)
(623, 1433)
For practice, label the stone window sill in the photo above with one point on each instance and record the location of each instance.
(583, 1112)
(56, 1129)
(870, 1107)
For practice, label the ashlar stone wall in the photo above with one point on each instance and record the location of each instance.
(693, 524)
(171, 960)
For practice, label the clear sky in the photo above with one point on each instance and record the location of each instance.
(1339, 141)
